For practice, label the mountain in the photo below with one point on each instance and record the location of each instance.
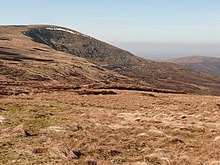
(25, 64)
(200, 63)
(45, 54)
(159, 75)
(73, 42)
(65, 103)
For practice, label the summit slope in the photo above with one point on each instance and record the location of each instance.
(60, 108)
(159, 75)
(28, 64)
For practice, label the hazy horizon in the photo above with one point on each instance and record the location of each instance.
(156, 51)
(148, 28)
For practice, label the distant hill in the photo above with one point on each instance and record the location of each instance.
(78, 44)
(200, 63)
(28, 64)
(53, 54)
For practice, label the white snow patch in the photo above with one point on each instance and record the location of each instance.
(86, 36)
(61, 29)
(69, 31)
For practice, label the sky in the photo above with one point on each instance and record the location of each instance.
(150, 28)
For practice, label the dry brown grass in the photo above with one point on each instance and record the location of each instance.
(130, 128)
(44, 120)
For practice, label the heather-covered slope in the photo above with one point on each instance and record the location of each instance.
(57, 108)
(73, 42)
(27, 64)
(166, 76)
(57, 55)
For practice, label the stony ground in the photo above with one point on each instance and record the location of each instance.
(127, 128)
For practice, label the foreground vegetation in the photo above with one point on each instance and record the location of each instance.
(120, 127)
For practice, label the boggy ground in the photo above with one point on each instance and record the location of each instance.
(127, 128)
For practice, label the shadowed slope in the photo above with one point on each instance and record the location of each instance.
(78, 44)
(165, 76)
(31, 64)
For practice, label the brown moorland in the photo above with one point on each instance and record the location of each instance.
(59, 108)
(128, 128)
(158, 75)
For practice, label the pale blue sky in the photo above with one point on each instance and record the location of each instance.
(127, 23)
